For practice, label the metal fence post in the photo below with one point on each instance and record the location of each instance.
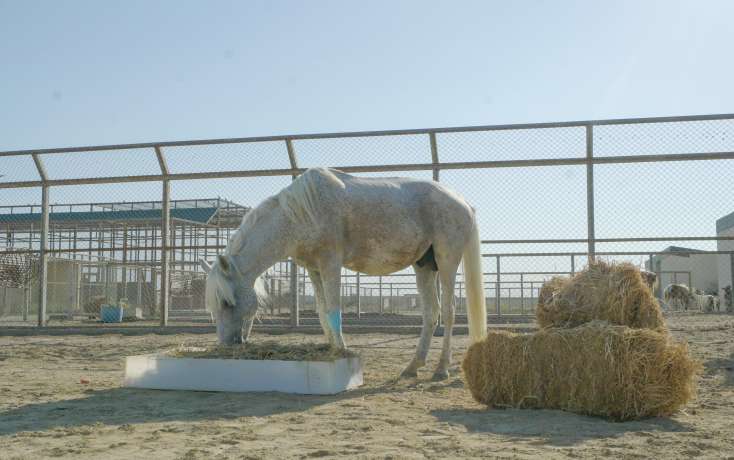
(435, 166)
(497, 288)
(43, 259)
(165, 237)
(382, 304)
(434, 155)
(522, 294)
(295, 307)
(359, 298)
(590, 191)
(573, 264)
(43, 250)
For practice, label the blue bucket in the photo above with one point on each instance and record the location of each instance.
(111, 314)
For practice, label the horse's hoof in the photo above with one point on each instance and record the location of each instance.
(440, 375)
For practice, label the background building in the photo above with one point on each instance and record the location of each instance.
(679, 265)
(725, 227)
(111, 252)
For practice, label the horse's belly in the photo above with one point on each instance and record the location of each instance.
(383, 261)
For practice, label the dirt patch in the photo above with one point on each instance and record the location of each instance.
(46, 412)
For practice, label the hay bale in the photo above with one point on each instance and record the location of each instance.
(613, 292)
(594, 369)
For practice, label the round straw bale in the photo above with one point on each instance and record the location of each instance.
(614, 292)
(594, 369)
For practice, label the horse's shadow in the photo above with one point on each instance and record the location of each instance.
(120, 406)
(554, 427)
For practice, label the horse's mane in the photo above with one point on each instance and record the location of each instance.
(300, 200)
(250, 220)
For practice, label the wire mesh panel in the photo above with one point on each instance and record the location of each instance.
(512, 144)
(17, 169)
(245, 156)
(19, 245)
(18, 287)
(613, 190)
(116, 163)
(669, 138)
(363, 151)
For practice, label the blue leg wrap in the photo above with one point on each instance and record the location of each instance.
(335, 320)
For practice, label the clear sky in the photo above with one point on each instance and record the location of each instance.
(93, 72)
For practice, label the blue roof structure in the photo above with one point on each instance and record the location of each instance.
(197, 215)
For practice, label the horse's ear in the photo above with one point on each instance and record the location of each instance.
(224, 264)
(206, 266)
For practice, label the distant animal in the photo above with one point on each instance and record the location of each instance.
(649, 278)
(326, 220)
(712, 303)
(680, 295)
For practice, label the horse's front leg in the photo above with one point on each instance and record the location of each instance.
(318, 288)
(331, 280)
(247, 328)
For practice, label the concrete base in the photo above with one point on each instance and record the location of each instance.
(161, 372)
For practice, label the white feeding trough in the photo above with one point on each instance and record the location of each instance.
(165, 372)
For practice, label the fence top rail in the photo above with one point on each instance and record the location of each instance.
(396, 132)
(377, 168)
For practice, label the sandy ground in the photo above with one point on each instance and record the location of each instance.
(45, 410)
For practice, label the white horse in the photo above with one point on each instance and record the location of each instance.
(681, 295)
(326, 220)
(678, 296)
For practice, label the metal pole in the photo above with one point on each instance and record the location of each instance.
(165, 238)
(573, 264)
(434, 155)
(43, 250)
(391, 301)
(380, 294)
(43, 259)
(295, 320)
(165, 251)
(359, 299)
(295, 307)
(461, 296)
(497, 289)
(522, 294)
(590, 191)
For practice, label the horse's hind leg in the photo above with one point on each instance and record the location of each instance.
(447, 277)
(425, 279)
(318, 288)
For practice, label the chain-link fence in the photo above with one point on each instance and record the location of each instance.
(127, 225)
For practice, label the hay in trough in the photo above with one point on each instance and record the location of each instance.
(594, 369)
(613, 292)
(262, 351)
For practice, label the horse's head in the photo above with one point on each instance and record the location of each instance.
(233, 299)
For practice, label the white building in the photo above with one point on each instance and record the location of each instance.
(684, 266)
(725, 227)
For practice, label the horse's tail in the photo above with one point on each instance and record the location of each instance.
(477, 308)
